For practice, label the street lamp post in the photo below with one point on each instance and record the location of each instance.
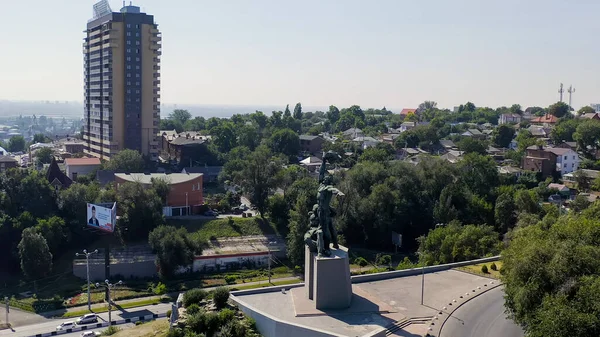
(109, 286)
(87, 266)
(269, 249)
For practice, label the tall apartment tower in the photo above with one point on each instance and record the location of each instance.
(122, 82)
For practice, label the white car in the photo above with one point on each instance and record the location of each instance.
(85, 319)
(65, 326)
(90, 334)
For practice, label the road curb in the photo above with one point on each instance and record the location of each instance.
(437, 329)
(102, 325)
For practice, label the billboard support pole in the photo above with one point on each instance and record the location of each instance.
(107, 268)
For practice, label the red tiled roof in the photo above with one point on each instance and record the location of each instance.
(407, 111)
(82, 161)
(545, 119)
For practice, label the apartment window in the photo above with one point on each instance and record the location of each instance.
(128, 33)
(198, 186)
(128, 58)
(137, 75)
(128, 74)
(573, 157)
(128, 25)
(128, 66)
(137, 91)
(138, 68)
(137, 34)
(565, 157)
(137, 83)
(137, 51)
(193, 187)
(137, 26)
(565, 165)
(129, 91)
(128, 83)
(572, 165)
(137, 43)
(128, 42)
(128, 50)
(137, 59)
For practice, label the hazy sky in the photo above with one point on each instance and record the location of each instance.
(393, 53)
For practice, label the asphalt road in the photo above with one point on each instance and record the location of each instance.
(482, 316)
(51, 324)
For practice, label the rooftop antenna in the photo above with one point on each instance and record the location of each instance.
(560, 91)
(571, 90)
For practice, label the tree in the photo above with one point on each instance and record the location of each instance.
(285, 141)
(258, 176)
(588, 137)
(173, 248)
(580, 203)
(44, 156)
(278, 211)
(376, 154)
(141, 211)
(220, 297)
(552, 272)
(39, 138)
(171, 124)
(505, 212)
(455, 243)
(55, 232)
(36, 259)
(225, 136)
(162, 188)
(129, 161)
(564, 130)
(503, 135)
(196, 124)
(303, 196)
(479, 173)
(333, 115)
(470, 145)
(180, 116)
(586, 110)
(516, 109)
(425, 106)
(16, 144)
(298, 111)
(249, 136)
(559, 109)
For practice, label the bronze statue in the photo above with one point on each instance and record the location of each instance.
(322, 233)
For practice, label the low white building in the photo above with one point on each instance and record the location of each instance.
(366, 142)
(567, 160)
(77, 167)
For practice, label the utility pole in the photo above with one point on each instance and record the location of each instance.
(269, 249)
(571, 90)
(560, 91)
(87, 265)
(7, 309)
(109, 286)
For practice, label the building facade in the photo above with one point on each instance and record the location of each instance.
(77, 167)
(311, 144)
(567, 160)
(122, 82)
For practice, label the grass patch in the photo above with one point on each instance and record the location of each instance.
(203, 230)
(266, 284)
(140, 303)
(476, 269)
(150, 329)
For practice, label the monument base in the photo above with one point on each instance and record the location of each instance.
(327, 279)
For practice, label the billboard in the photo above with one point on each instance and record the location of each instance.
(102, 216)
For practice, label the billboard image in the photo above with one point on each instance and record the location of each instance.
(102, 217)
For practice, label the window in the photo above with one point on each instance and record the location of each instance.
(128, 58)
(565, 165)
(573, 157)
(572, 165)
(128, 50)
(128, 83)
(128, 33)
(137, 83)
(137, 26)
(138, 68)
(566, 157)
(137, 51)
(193, 187)
(129, 91)
(128, 66)
(137, 75)
(137, 34)
(137, 91)
(137, 43)
(74, 175)
(198, 186)
(128, 25)
(128, 42)
(128, 74)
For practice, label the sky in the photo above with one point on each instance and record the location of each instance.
(393, 53)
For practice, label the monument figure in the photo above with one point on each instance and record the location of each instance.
(322, 234)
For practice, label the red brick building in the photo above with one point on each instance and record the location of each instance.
(539, 160)
(185, 195)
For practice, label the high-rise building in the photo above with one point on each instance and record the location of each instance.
(122, 82)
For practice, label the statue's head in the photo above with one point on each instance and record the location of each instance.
(315, 208)
(328, 180)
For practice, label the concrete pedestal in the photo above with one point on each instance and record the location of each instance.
(327, 279)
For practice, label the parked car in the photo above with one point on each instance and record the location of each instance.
(65, 325)
(85, 319)
(90, 334)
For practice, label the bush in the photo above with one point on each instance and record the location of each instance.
(160, 289)
(196, 322)
(192, 309)
(177, 332)
(230, 279)
(169, 312)
(220, 297)
(193, 296)
(211, 323)
(360, 261)
(226, 315)
(493, 266)
(484, 269)
(110, 331)
(233, 329)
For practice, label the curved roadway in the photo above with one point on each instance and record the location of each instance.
(482, 316)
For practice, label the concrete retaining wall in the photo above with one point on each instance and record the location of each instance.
(126, 269)
(416, 271)
(270, 326)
